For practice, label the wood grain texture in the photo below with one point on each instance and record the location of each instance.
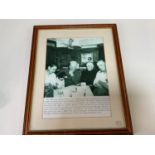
(127, 130)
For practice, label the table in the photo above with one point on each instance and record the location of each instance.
(73, 91)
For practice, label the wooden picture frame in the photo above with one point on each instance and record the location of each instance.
(31, 119)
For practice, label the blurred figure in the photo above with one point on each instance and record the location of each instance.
(101, 81)
(89, 74)
(73, 75)
(90, 59)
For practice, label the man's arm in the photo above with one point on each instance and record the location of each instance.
(103, 84)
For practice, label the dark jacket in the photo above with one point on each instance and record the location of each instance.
(88, 77)
(73, 80)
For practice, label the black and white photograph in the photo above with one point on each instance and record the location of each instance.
(75, 67)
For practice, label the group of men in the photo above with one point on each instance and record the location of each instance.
(95, 78)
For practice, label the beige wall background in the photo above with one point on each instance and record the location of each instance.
(137, 42)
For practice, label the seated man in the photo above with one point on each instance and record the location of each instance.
(50, 81)
(101, 81)
(88, 76)
(73, 75)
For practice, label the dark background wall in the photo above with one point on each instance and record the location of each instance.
(63, 55)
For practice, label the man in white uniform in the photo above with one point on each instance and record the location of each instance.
(50, 77)
(101, 81)
(51, 81)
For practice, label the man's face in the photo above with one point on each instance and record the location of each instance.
(101, 66)
(52, 69)
(90, 66)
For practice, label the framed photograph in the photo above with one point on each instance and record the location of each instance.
(76, 83)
